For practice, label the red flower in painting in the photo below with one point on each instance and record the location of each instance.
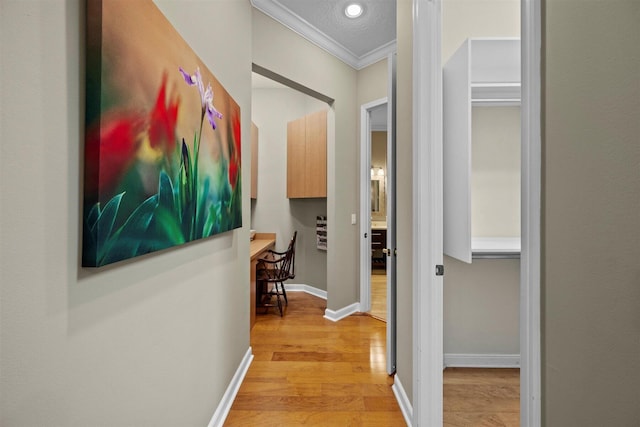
(109, 151)
(163, 119)
(235, 155)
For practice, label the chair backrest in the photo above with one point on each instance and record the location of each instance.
(291, 253)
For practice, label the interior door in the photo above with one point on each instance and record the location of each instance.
(391, 218)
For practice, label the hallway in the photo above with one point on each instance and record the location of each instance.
(312, 371)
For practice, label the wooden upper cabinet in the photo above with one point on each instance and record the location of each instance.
(307, 156)
(254, 161)
(296, 155)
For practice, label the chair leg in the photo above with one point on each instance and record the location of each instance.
(284, 292)
(275, 285)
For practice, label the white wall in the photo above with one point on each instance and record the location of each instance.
(477, 18)
(591, 213)
(495, 172)
(272, 211)
(145, 342)
(314, 68)
(486, 292)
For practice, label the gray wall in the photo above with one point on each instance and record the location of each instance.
(591, 213)
(272, 211)
(314, 68)
(404, 197)
(481, 307)
(145, 342)
(373, 82)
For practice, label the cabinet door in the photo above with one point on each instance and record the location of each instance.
(296, 154)
(315, 183)
(457, 155)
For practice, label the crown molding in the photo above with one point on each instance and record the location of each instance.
(302, 27)
(376, 55)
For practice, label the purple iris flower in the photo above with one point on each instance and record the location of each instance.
(206, 95)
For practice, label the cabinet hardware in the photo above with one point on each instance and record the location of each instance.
(439, 270)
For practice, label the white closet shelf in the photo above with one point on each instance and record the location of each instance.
(495, 94)
(495, 245)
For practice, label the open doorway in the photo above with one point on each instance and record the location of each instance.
(379, 199)
(428, 305)
(377, 218)
(277, 104)
(481, 193)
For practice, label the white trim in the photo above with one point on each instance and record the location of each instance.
(220, 415)
(403, 400)
(291, 287)
(530, 338)
(378, 54)
(302, 27)
(427, 213)
(452, 360)
(335, 316)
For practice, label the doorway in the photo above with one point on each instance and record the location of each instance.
(427, 148)
(378, 136)
(377, 222)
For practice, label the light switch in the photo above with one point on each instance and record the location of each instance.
(353, 219)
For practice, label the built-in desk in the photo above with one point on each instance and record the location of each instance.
(257, 249)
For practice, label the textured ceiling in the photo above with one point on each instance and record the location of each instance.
(358, 42)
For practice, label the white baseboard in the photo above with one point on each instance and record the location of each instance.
(403, 400)
(328, 314)
(481, 360)
(290, 287)
(232, 390)
(342, 313)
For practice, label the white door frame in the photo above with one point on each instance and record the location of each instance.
(427, 214)
(531, 190)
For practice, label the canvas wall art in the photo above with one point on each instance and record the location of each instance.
(162, 143)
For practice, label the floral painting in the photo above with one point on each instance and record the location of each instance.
(162, 142)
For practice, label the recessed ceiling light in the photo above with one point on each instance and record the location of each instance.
(353, 10)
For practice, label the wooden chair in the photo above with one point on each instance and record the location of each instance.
(275, 269)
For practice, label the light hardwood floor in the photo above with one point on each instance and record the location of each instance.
(481, 397)
(379, 294)
(311, 371)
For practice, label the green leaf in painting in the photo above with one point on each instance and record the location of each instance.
(104, 225)
(92, 216)
(185, 195)
(202, 209)
(168, 229)
(125, 242)
(165, 192)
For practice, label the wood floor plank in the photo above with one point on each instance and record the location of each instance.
(293, 418)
